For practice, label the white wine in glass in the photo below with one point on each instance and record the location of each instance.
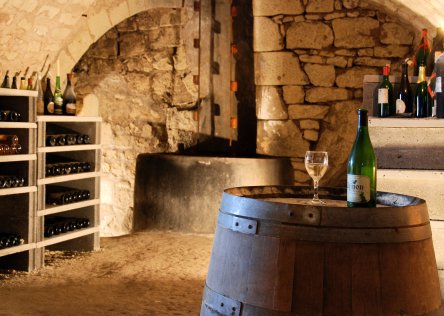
(316, 163)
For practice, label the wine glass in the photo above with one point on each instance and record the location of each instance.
(316, 163)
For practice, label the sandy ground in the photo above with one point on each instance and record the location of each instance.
(149, 273)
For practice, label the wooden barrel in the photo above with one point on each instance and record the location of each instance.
(275, 254)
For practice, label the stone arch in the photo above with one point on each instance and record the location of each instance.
(99, 19)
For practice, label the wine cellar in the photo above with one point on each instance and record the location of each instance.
(162, 152)
(31, 217)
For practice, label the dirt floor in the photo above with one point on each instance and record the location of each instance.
(149, 273)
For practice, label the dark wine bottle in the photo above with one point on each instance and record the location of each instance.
(58, 98)
(14, 82)
(404, 100)
(69, 98)
(385, 95)
(422, 52)
(9, 139)
(422, 98)
(48, 103)
(361, 168)
(5, 83)
(439, 97)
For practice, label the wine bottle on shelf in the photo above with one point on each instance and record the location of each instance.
(11, 116)
(69, 98)
(48, 97)
(9, 139)
(385, 95)
(5, 83)
(404, 98)
(422, 103)
(361, 167)
(58, 98)
(40, 99)
(56, 140)
(422, 52)
(23, 85)
(30, 86)
(14, 82)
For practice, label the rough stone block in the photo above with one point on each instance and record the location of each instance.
(311, 135)
(293, 94)
(119, 12)
(131, 44)
(309, 124)
(345, 52)
(355, 32)
(366, 52)
(353, 14)
(165, 37)
(390, 51)
(269, 103)
(302, 111)
(275, 7)
(312, 59)
(335, 15)
(392, 33)
(79, 44)
(267, 36)
(320, 6)
(280, 138)
(372, 62)
(278, 68)
(320, 75)
(314, 35)
(321, 94)
(354, 77)
(339, 131)
(350, 4)
(338, 61)
(301, 176)
(99, 23)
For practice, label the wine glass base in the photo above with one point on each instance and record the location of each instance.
(317, 202)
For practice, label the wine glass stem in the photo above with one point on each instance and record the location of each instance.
(316, 189)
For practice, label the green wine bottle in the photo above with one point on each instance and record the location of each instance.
(422, 53)
(422, 102)
(385, 95)
(361, 168)
(58, 98)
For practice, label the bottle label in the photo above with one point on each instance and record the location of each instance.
(70, 108)
(438, 85)
(383, 95)
(358, 188)
(58, 105)
(50, 107)
(400, 106)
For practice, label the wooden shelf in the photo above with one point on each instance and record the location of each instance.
(67, 118)
(67, 207)
(67, 236)
(69, 177)
(16, 249)
(20, 190)
(17, 92)
(14, 158)
(26, 125)
(56, 149)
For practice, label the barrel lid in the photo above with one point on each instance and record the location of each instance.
(285, 204)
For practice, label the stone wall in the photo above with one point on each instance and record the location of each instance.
(310, 60)
(140, 73)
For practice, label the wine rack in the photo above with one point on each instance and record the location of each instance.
(18, 204)
(85, 238)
